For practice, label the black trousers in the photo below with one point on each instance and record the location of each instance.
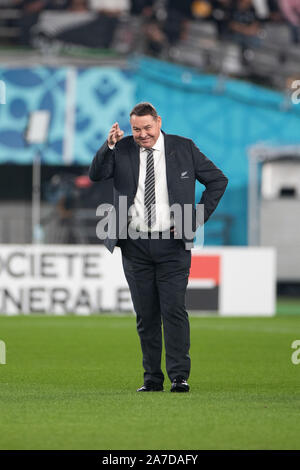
(157, 273)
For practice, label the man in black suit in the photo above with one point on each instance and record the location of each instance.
(155, 174)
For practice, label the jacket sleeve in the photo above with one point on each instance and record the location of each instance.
(103, 164)
(212, 178)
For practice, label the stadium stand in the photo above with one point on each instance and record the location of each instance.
(214, 37)
(245, 38)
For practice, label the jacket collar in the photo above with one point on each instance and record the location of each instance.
(169, 146)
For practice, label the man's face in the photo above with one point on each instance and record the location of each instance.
(145, 130)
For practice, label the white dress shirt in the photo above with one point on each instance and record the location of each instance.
(163, 219)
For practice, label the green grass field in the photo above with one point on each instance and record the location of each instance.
(69, 383)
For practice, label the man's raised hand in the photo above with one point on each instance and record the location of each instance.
(115, 134)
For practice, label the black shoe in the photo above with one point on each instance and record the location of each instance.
(179, 384)
(151, 387)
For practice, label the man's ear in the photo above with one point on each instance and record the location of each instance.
(159, 121)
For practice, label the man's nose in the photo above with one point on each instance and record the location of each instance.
(143, 133)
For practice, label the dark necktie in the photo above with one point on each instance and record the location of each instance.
(149, 199)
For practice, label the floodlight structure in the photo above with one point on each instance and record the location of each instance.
(37, 134)
(274, 204)
(2, 92)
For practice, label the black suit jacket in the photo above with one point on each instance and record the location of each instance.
(184, 164)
